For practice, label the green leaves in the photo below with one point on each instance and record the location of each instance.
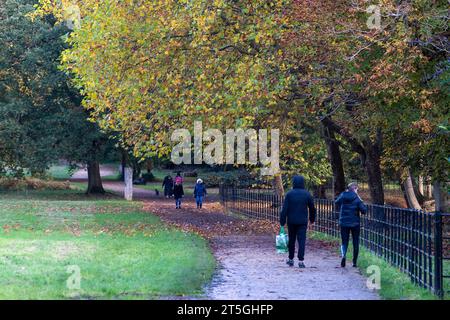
(41, 118)
(178, 62)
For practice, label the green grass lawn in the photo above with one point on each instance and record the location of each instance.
(121, 251)
(60, 172)
(395, 285)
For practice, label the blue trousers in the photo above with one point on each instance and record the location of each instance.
(345, 236)
(199, 200)
(178, 203)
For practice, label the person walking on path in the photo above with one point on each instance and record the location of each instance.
(168, 186)
(351, 206)
(297, 204)
(199, 193)
(178, 193)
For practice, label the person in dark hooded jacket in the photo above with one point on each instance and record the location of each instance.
(178, 194)
(168, 186)
(351, 206)
(298, 208)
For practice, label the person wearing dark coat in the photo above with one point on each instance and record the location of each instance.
(178, 193)
(298, 208)
(351, 206)
(168, 186)
(199, 193)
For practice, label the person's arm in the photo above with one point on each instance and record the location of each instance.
(182, 190)
(338, 200)
(361, 206)
(312, 209)
(284, 211)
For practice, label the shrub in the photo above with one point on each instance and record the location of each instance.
(239, 178)
(148, 177)
(190, 174)
(14, 184)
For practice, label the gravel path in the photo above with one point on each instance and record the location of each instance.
(81, 174)
(248, 265)
(251, 269)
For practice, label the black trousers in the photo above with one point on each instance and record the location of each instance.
(345, 236)
(297, 232)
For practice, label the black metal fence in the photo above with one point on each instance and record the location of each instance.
(411, 240)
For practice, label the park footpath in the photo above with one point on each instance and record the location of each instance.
(248, 265)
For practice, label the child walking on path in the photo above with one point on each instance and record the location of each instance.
(199, 192)
(178, 193)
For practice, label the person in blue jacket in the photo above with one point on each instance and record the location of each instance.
(297, 204)
(351, 206)
(199, 192)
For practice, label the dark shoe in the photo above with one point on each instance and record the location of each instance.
(290, 262)
(355, 265)
(301, 265)
(343, 263)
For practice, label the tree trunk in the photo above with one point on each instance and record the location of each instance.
(373, 169)
(421, 186)
(334, 156)
(95, 185)
(123, 164)
(278, 185)
(320, 192)
(419, 195)
(408, 186)
(429, 189)
(149, 166)
(136, 170)
(441, 197)
(370, 153)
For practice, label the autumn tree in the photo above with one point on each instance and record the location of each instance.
(366, 85)
(146, 67)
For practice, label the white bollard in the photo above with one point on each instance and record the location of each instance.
(128, 192)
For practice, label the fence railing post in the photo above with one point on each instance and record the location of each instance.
(438, 264)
